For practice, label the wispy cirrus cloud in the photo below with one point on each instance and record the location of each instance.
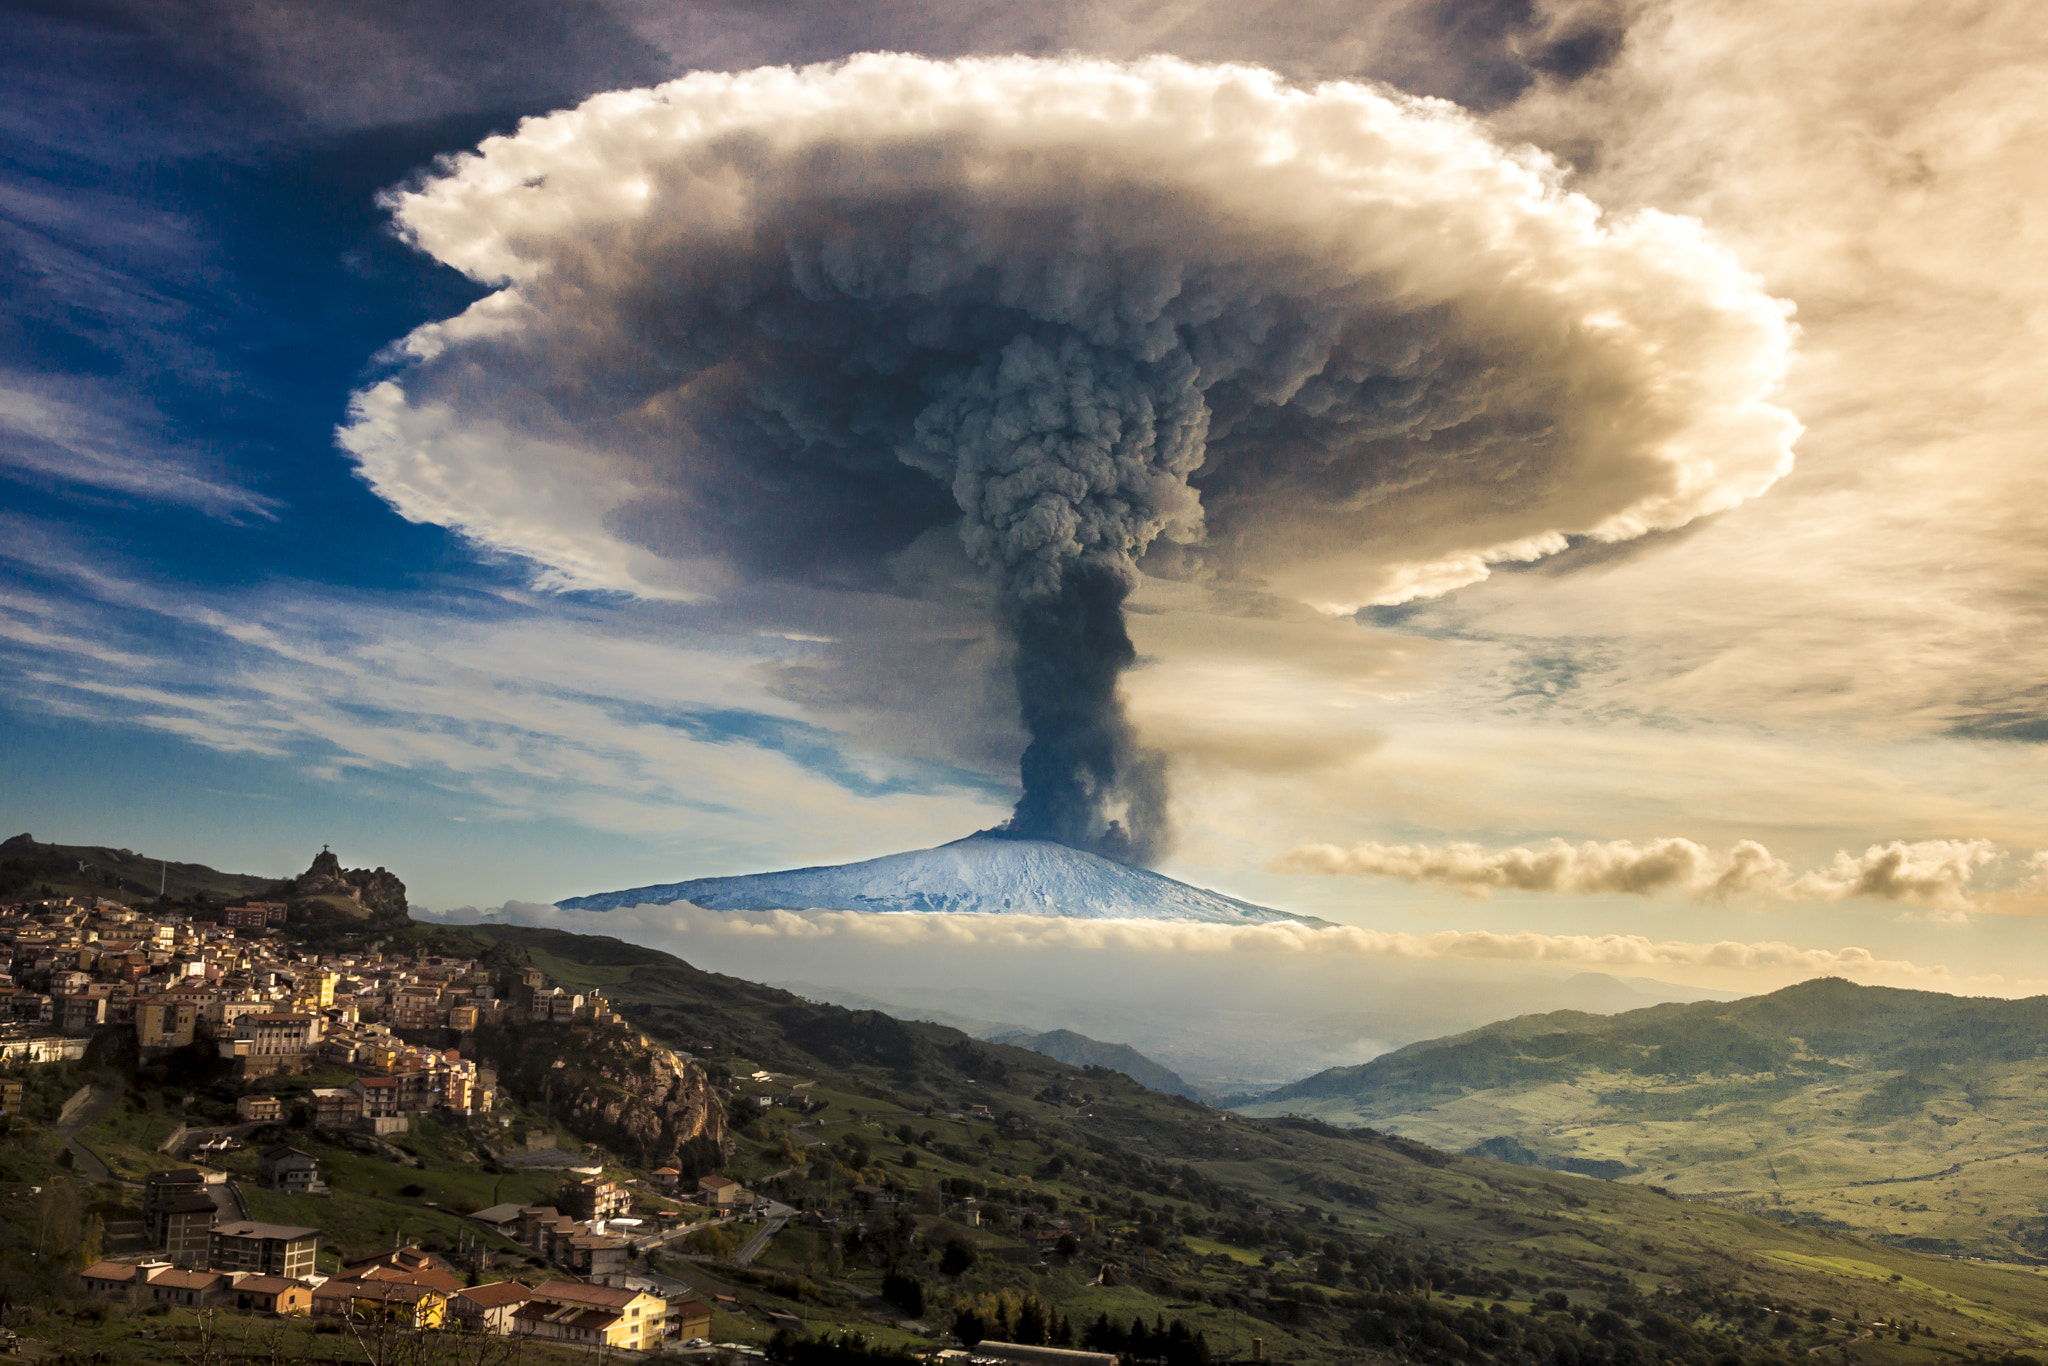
(530, 708)
(67, 431)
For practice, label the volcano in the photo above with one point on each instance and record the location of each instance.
(984, 874)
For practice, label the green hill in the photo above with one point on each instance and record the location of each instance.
(1906, 1115)
(28, 866)
(1082, 1051)
(1334, 1245)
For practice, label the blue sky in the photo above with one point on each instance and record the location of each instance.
(224, 639)
(201, 276)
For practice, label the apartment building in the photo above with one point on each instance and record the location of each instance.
(266, 1249)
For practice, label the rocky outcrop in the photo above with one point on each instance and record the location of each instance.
(610, 1086)
(380, 892)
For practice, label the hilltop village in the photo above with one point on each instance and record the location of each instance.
(94, 975)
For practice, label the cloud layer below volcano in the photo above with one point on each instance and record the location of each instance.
(694, 933)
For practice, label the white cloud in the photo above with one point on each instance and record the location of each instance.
(1477, 362)
(1588, 868)
(1934, 874)
(70, 431)
(1880, 167)
(611, 721)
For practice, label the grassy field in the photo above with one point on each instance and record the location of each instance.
(376, 1201)
(1964, 1171)
(127, 1138)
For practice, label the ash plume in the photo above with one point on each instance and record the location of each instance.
(1084, 761)
(1095, 320)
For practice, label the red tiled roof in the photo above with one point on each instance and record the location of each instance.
(264, 1285)
(497, 1294)
(412, 1275)
(576, 1292)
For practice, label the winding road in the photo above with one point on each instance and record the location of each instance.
(778, 1215)
(85, 1109)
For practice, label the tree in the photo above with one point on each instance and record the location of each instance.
(56, 1228)
(857, 1151)
(1104, 1336)
(905, 1292)
(958, 1258)
(1184, 1347)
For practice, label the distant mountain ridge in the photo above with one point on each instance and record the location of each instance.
(983, 874)
(1883, 1026)
(1063, 1045)
(1079, 1050)
(1910, 1116)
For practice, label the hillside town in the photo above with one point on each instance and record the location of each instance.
(78, 965)
(84, 970)
(307, 1048)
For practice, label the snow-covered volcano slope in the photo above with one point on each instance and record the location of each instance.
(980, 875)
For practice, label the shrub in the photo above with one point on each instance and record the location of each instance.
(905, 1292)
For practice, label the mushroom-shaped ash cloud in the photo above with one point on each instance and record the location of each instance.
(1104, 319)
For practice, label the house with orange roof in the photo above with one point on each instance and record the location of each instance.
(489, 1308)
(271, 1295)
(593, 1316)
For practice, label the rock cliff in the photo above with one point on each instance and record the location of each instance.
(380, 892)
(610, 1086)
